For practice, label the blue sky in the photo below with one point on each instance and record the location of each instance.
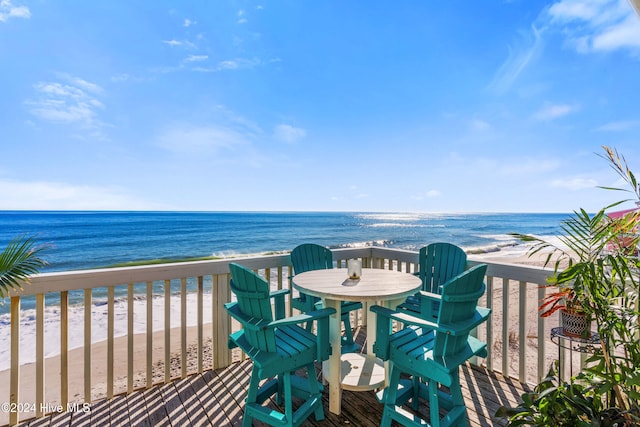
(413, 105)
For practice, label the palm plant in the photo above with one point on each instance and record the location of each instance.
(596, 267)
(589, 259)
(18, 262)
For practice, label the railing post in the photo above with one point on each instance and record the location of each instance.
(64, 348)
(130, 348)
(200, 322)
(149, 334)
(183, 326)
(110, 344)
(489, 324)
(542, 334)
(167, 331)
(221, 322)
(522, 342)
(14, 382)
(40, 378)
(505, 327)
(87, 345)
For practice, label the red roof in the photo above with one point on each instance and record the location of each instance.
(620, 214)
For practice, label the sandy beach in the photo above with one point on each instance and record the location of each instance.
(99, 352)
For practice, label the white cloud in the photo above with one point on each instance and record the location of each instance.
(179, 43)
(172, 42)
(201, 139)
(596, 25)
(619, 126)
(8, 10)
(528, 167)
(554, 111)
(196, 58)
(188, 22)
(241, 18)
(426, 195)
(480, 125)
(289, 134)
(235, 64)
(36, 195)
(574, 184)
(517, 61)
(625, 34)
(71, 101)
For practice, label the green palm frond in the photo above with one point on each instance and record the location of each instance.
(619, 164)
(18, 261)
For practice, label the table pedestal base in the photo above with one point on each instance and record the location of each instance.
(359, 372)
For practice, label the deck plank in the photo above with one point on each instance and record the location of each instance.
(119, 411)
(156, 412)
(137, 409)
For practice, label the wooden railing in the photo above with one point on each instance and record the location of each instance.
(141, 288)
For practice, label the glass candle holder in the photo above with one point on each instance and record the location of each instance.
(354, 268)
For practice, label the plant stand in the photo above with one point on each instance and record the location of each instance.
(590, 344)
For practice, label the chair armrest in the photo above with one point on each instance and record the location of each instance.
(302, 318)
(322, 328)
(403, 317)
(278, 299)
(384, 316)
(430, 295)
(428, 304)
(234, 311)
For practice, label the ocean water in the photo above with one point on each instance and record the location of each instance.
(83, 240)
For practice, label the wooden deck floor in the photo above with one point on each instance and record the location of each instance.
(216, 398)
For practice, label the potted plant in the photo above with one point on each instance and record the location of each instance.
(18, 261)
(573, 318)
(596, 270)
(581, 265)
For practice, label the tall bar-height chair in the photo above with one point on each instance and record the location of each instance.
(278, 347)
(432, 351)
(438, 262)
(309, 256)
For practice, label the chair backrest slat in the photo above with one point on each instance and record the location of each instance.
(309, 256)
(458, 309)
(252, 293)
(440, 262)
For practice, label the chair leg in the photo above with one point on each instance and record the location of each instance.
(254, 384)
(348, 344)
(434, 404)
(457, 401)
(288, 405)
(390, 397)
(314, 389)
(415, 400)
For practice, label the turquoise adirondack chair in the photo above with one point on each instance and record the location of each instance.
(278, 347)
(438, 262)
(432, 351)
(310, 256)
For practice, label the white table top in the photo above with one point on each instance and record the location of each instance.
(374, 284)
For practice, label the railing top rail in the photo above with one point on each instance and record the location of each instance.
(519, 272)
(95, 278)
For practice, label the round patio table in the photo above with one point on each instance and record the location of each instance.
(355, 371)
